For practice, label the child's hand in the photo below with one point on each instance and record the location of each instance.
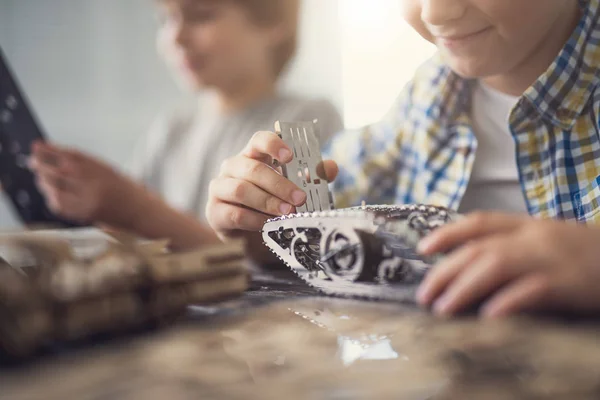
(249, 189)
(81, 188)
(513, 264)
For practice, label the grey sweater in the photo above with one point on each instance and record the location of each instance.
(184, 150)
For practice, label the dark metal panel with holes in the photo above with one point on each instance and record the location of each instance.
(18, 130)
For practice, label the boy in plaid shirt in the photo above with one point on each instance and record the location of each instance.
(505, 117)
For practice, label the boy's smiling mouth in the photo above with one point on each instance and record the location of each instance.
(455, 41)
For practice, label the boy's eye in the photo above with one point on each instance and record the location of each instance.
(190, 15)
(198, 16)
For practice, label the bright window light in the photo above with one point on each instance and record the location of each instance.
(380, 53)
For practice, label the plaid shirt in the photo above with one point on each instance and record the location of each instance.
(423, 151)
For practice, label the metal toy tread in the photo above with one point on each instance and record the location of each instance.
(362, 252)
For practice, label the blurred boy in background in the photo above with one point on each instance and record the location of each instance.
(232, 53)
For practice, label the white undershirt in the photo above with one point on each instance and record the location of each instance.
(494, 182)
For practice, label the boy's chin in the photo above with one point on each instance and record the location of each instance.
(470, 68)
(191, 84)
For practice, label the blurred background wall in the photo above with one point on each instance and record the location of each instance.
(91, 72)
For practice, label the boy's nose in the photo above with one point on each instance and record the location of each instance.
(181, 33)
(439, 12)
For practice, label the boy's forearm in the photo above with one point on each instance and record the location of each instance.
(186, 232)
(147, 215)
(152, 218)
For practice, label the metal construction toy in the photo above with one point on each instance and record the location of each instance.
(366, 251)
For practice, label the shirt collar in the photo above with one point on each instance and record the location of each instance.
(561, 94)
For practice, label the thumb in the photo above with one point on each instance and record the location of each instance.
(328, 170)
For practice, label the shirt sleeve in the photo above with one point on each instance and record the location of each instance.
(145, 159)
(369, 158)
(328, 117)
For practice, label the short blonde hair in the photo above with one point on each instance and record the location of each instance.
(272, 12)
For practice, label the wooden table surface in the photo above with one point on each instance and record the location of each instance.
(282, 341)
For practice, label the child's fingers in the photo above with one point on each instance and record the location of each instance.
(65, 205)
(53, 172)
(474, 283)
(61, 199)
(230, 218)
(38, 164)
(445, 272)
(54, 181)
(528, 293)
(59, 161)
(48, 148)
(44, 186)
(474, 226)
(264, 177)
(52, 194)
(45, 153)
(328, 171)
(266, 147)
(237, 191)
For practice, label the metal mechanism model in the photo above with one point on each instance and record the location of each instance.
(61, 298)
(366, 251)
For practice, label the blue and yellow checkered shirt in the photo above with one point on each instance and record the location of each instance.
(423, 150)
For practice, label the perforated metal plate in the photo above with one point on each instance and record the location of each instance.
(19, 128)
(306, 169)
